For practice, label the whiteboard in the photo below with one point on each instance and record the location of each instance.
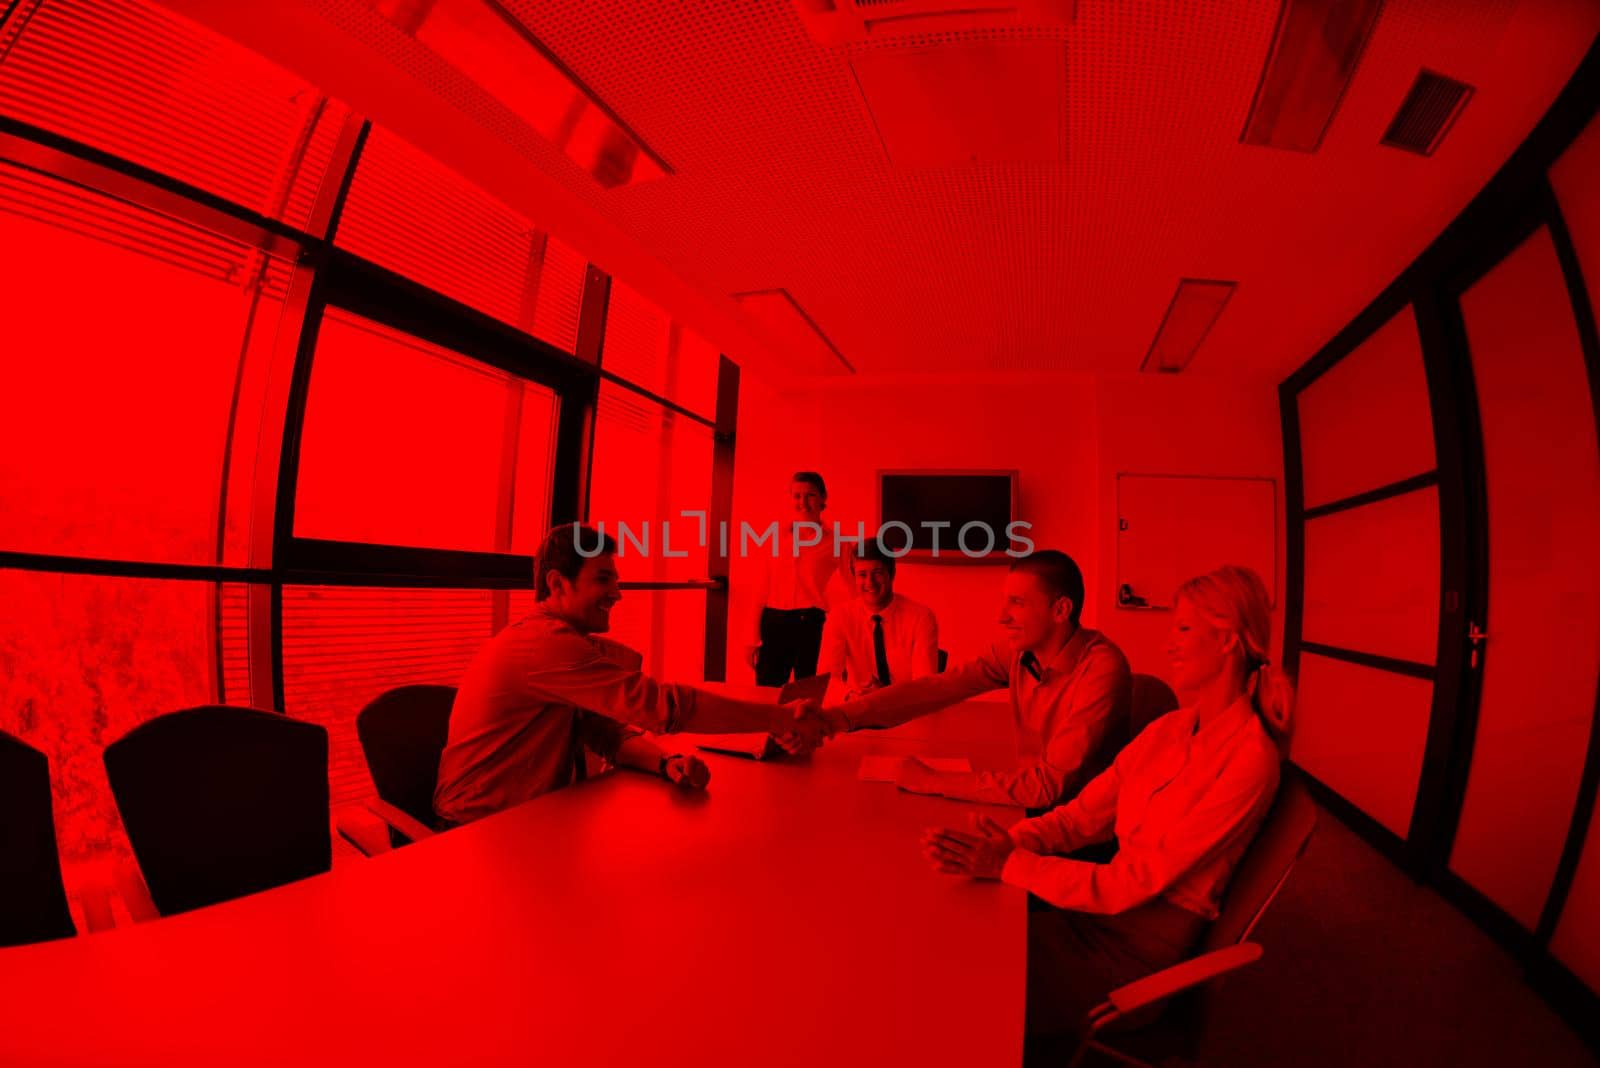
(1171, 528)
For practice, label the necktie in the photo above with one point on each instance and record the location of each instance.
(880, 654)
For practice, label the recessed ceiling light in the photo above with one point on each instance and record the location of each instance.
(1314, 54)
(1190, 316)
(780, 316)
(489, 46)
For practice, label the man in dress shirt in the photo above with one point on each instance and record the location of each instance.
(1070, 693)
(547, 688)
(791, 603)
(880, 636)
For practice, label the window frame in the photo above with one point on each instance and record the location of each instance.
(329, 276)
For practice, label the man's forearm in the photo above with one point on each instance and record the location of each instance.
(711, 713)
(641, 753)
(906, 701)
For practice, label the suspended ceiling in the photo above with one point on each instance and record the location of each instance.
(1063, 259)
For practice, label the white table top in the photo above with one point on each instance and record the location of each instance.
(786, 918)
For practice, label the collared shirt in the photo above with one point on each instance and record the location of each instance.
(538, 689)
(910, 640)
(1070, 720)
(793, 578)
(1184, 806)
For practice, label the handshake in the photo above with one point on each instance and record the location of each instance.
(801, 726)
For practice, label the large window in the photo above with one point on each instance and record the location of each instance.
(117, 416)
(654, 459)
(133, 79)
(407, 443)
(344, 646)
(287, 406)
(83, 660)
(650, 464)
(646, 346)
(418, 218)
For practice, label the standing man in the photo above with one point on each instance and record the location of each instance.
(880, 636)
(1070, 694)
(791, 604)
(547, 688)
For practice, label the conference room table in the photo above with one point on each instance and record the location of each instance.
(785, 917)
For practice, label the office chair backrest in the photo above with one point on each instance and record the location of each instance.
(1152, 699)
(1266, 864)
(33, 900)
(219, 802)
(402, 733)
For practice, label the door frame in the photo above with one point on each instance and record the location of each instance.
(1516, 202)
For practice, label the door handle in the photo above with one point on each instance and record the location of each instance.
(1477, 638)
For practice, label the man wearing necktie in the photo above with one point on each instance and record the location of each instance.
(880, 655)
(881, 636)
(1070, 691)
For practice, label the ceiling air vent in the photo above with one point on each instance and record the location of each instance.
(1190, 317)
(1427, 113)
(844, 22)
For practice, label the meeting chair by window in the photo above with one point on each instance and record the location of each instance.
(220, 802)
(402, 733)
(33, 900)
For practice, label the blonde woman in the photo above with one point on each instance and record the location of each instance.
(1183, 801)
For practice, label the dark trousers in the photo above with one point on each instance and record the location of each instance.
(790, 642)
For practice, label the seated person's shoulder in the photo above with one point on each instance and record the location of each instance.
(1157, 733)
(1105, 653)
(617, 653)
(551, 645)
(1256, 747)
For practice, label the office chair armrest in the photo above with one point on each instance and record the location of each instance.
(1180, 977)
(400, 820)
(134, 893)
(366, 826)
(94, 898)
(368, 834)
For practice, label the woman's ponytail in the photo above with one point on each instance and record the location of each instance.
(1235, 599)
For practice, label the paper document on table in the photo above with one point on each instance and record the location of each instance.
(887, 768)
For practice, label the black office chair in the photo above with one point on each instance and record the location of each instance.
(402, 734)
(1152, 699)
(33, 899)
(220, 802)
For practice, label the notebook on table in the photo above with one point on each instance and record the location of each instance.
(761, 746)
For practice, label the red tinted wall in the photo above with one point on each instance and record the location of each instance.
(1069, 435)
